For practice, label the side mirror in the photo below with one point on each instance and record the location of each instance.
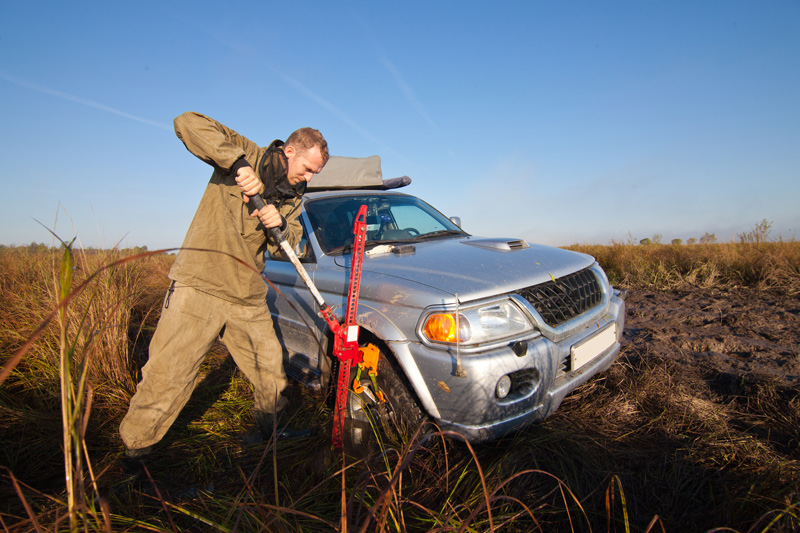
(456, 221)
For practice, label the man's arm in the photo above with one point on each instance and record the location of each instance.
(293, 230)
(218, 145)
(291, 214)
(213, 142)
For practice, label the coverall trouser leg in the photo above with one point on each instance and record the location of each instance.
(250, 338)
(190, 323)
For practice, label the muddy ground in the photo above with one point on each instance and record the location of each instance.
(713, 333)
(734, 354)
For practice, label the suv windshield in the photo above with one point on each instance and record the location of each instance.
(391, 218)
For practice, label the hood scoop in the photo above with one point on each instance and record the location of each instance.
(502, 245)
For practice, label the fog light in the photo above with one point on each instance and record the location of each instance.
(503, 387)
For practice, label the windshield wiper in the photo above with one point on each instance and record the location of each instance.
(345, 248)
(440, 233)
(393, 241)
(341, 249)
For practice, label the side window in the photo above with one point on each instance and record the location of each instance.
(302, 249)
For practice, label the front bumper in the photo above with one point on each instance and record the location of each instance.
(540, 373)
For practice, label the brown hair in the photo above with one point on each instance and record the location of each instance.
(306, 138)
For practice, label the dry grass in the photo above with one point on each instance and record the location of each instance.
(765, 265)
(639, 449)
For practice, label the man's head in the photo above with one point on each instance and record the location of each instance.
(307, 152)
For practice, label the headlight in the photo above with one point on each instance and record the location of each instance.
(476, 325)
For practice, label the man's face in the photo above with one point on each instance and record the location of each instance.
(302, 165)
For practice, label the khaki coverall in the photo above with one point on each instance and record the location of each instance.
(211, 291)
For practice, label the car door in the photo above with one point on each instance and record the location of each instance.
(295, 313)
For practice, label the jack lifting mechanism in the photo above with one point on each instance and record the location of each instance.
(345, 335)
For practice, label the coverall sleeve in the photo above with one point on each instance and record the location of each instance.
(293, 232)
(213, 142)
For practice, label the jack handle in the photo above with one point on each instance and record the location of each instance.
(277, 235)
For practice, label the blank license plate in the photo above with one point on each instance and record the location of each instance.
(588, 349)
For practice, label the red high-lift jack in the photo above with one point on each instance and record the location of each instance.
(345, 336)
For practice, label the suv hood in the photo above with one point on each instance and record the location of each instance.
(473, 267)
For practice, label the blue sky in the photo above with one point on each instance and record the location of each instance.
(558, 122)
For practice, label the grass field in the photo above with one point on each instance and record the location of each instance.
(623, 453)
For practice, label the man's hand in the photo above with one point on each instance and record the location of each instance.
(248, 181)
(269, 216)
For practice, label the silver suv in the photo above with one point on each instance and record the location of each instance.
(480, 335)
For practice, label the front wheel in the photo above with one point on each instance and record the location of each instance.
(368, 420)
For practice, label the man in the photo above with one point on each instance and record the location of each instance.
(212, 293)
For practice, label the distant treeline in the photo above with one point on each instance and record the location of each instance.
(761, 232)
(38, 247)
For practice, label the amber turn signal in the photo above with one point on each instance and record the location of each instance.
(442, 327)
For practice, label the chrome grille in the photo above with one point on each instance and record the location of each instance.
(565, 298)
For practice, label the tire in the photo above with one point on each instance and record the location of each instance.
(369, 423)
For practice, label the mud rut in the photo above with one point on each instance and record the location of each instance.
(724, 332)
(733, 351)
